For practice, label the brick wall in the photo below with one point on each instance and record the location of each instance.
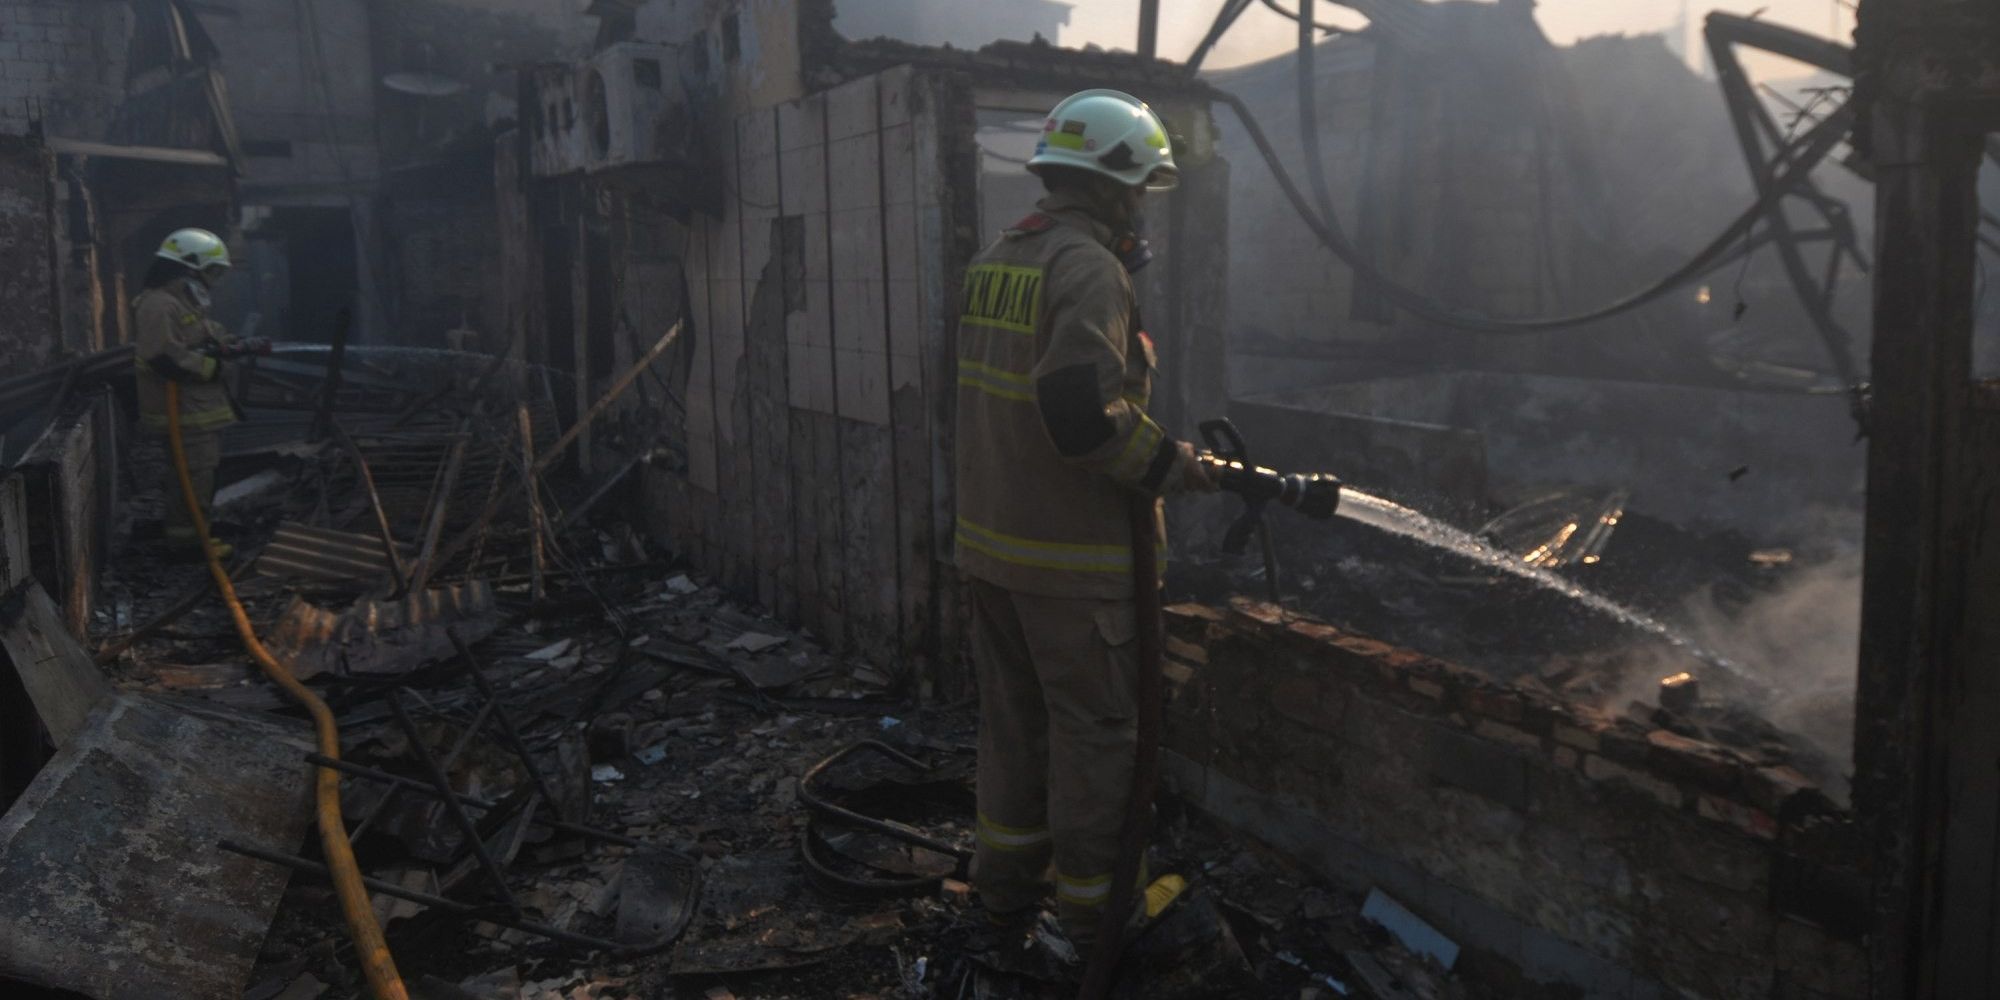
(1622, 861)
(27, 223)
(62, 61)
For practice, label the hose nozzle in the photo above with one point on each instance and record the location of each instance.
(1314, 494)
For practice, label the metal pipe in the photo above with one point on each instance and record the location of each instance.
(439, 780)
(885, 827)
(457, 750)
(451, 906)
(507, 729)
(411, 785)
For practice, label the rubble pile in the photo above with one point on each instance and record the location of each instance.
(571, 768)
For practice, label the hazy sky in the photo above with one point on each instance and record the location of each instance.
(1260, 33)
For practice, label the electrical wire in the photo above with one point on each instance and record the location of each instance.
(378, 966)
(1305, 10)
(1811, 149)
(1231, 10)
(1795, 164)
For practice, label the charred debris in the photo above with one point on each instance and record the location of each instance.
(571, 766)
(600, 487)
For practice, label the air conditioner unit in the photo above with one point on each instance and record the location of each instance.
(622, 109)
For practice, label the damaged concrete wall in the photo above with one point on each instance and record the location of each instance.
(29, 296)
(967, 24)
(809, 463)
(474, 46)
(1595, 855)
(64, 65)
(303, 88)
(750, 53)
(820, 325)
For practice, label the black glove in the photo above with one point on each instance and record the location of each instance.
(257, 346)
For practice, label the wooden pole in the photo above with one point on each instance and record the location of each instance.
(389, 549)
(604, 402)
(454, 465)
(536, 555)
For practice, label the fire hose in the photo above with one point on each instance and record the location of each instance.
(1138, 825)
(370, 948)
(1315, 495)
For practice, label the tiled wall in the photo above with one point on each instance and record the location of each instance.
(819, 332)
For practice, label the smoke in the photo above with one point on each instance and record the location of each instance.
(1802, 639)
(1261, 34)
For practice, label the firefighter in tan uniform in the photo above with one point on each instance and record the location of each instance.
(1054, 375)
(175, 340)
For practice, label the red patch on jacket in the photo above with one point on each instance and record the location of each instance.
(1036, 223)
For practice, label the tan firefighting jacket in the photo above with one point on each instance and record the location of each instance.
(1054, 376)
(174, 339)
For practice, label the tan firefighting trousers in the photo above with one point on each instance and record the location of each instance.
(204, 456)
(1057, 733)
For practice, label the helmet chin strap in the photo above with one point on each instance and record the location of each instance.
(198, 287)
(1108, 205)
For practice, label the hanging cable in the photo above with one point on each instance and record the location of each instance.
(1304, 11)
(1797, 163)
(1231, 10)
(1791, 167)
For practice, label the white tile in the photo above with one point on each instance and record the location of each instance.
(851, 109)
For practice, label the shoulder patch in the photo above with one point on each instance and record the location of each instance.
(1039, 222)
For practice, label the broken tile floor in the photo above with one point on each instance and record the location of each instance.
(659, 709)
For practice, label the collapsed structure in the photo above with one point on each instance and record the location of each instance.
(687, 271)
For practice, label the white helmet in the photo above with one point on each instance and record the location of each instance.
(1108, 132)
(197, 248)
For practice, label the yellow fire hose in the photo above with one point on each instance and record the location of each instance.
(377, 965)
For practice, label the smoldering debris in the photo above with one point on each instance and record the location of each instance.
(1768, 636)
(1802, 637)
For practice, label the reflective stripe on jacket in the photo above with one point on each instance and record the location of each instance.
(1053, 380)
(171, 337)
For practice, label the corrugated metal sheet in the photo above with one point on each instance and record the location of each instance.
(302, 552)
(383, 637)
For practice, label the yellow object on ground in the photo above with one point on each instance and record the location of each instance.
(370, 949)
(1162, 893)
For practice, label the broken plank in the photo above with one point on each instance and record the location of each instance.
(537, 555)
(555, 451)
(389, 548)
(454, 466)
(62, 682)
